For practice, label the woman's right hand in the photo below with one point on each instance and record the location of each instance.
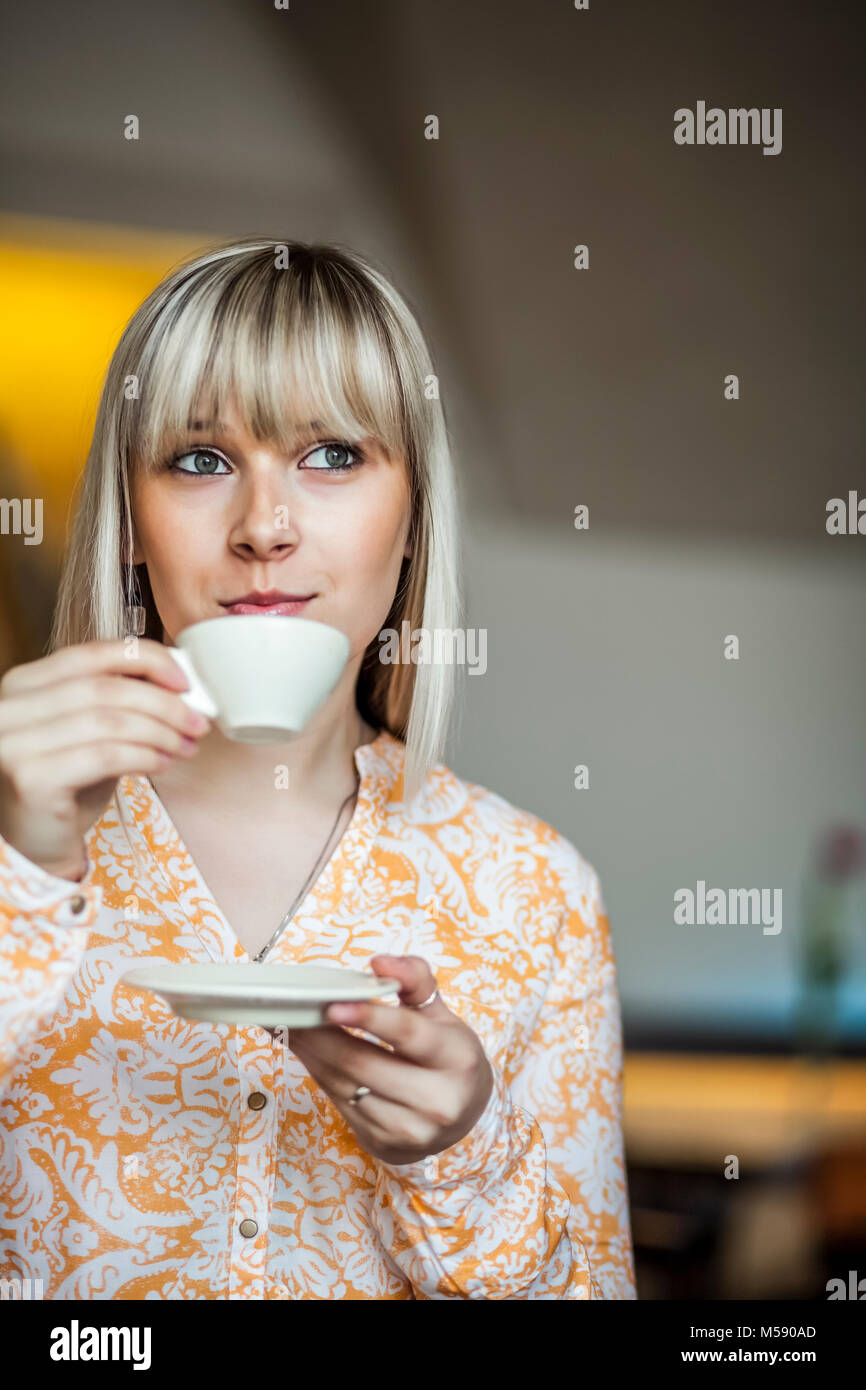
(71, 724)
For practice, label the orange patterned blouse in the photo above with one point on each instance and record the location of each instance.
(133, 1162)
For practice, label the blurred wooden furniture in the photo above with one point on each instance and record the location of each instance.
(796, 1213)
(694, 1109)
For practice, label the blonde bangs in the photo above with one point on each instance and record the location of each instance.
(294, 357)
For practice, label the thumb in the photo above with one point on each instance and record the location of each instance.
(417, 982)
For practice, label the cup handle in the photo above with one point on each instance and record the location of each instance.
(197, 696)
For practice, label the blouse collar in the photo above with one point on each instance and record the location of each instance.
(178, 891)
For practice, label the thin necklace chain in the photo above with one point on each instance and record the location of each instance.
(300, 897)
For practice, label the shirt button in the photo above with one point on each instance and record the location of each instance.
(430, 1169)
(248, 1228)
(77, 904)
(256, 1101)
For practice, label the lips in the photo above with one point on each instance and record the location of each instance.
(270, 601)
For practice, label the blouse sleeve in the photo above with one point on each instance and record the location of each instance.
(532, 1202)
(44, 924)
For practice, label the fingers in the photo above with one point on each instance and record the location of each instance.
(417, 1036)
(344, 1062)
(95, 726)
(395, 1128)
(417, 980)
(139, 656)
(122, 707)
(386, 1122)
(87, 764)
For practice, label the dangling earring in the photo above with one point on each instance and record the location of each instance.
(135, 614)
(136, 620)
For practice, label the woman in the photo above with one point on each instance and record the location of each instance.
(270, 422)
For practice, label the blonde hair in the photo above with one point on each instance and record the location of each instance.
(289, 332)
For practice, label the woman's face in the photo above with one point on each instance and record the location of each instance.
(234, 515)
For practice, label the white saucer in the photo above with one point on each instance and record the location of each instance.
(270, 996)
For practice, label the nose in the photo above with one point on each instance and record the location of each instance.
(266, 519)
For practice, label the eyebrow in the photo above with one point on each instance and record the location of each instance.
(312, 427)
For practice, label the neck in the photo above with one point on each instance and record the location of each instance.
(310, 773)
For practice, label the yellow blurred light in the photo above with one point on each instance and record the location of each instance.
(67, 292)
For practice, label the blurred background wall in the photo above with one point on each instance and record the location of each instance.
(603, 386)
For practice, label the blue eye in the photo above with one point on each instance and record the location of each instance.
(210, 455)
(338, 448)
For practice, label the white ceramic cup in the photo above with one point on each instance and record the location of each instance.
(261, 677)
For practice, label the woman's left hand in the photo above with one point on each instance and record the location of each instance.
(427, 1093)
